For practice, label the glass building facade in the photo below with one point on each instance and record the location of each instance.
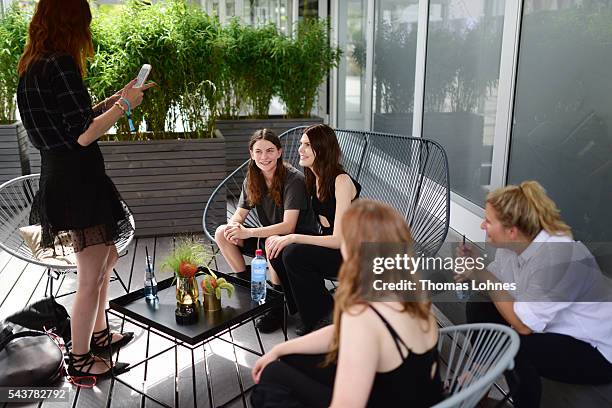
(513, 90)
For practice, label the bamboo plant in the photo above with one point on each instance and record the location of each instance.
(13, 33)
(204, 70)
(304, 63)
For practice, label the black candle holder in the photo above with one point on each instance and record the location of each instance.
(186, 314)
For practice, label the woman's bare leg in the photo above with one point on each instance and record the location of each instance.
(90, 274)
(229, 250)
(108, 268)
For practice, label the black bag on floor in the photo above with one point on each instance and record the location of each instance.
(29, 358)
(46, 314)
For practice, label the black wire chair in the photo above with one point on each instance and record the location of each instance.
(16, 198)
(410, 174)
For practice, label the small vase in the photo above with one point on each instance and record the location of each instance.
(211, 303)
(187, 293)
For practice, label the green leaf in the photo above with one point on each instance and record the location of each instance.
(229, 288)
(188, 249)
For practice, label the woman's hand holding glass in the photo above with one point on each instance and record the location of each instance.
(465, 251)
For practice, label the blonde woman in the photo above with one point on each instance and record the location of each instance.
(561, 306)
(376, 354)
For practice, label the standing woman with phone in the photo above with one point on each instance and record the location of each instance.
(75, 194)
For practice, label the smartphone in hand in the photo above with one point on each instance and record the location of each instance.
(142, 75)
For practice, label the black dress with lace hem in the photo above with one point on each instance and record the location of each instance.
(76, 196)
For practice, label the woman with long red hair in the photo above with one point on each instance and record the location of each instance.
(75, 194)
(276, 190)
(391, 344)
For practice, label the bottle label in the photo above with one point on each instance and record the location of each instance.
(258, 270)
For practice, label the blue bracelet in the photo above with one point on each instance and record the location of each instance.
(128, 114)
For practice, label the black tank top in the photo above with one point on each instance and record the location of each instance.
(410, 384)
(328, 208)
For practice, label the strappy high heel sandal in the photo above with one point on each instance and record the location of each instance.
(80, 365)
(100, 341)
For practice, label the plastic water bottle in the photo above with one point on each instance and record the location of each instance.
(258, 277)
(150, 283)
(463, 294)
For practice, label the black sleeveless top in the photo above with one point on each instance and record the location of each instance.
(328, 208)
(410, 384)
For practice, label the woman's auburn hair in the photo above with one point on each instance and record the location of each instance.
(326, 164)
(370, 221)
(59, 26)
(256, 187)
(529, 208)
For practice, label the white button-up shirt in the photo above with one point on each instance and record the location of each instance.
(559, 289)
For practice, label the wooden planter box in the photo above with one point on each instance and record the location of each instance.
(14, 160)
(34, 157)
(166, 183)
(237, 133)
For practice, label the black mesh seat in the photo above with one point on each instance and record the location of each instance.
(16, 198)
(411, 174)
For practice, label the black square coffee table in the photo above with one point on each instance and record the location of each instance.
(158, 317)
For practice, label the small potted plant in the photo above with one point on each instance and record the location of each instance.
(211, 288)
(184, 261)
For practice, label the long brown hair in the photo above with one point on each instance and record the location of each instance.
(60, 26)
(256, 183)
(528, 207)
(326, 163)
(369, 221)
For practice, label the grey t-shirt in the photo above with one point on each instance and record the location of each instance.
(294, 198)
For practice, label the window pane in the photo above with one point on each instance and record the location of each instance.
(394, 64)
(562, 128)
(351, 72)
(461, 76)
(258, 12)
(230, 8)
(308, 8)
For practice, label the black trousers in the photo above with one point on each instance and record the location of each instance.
(295, 380)
(555, 356)
(302, 270)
